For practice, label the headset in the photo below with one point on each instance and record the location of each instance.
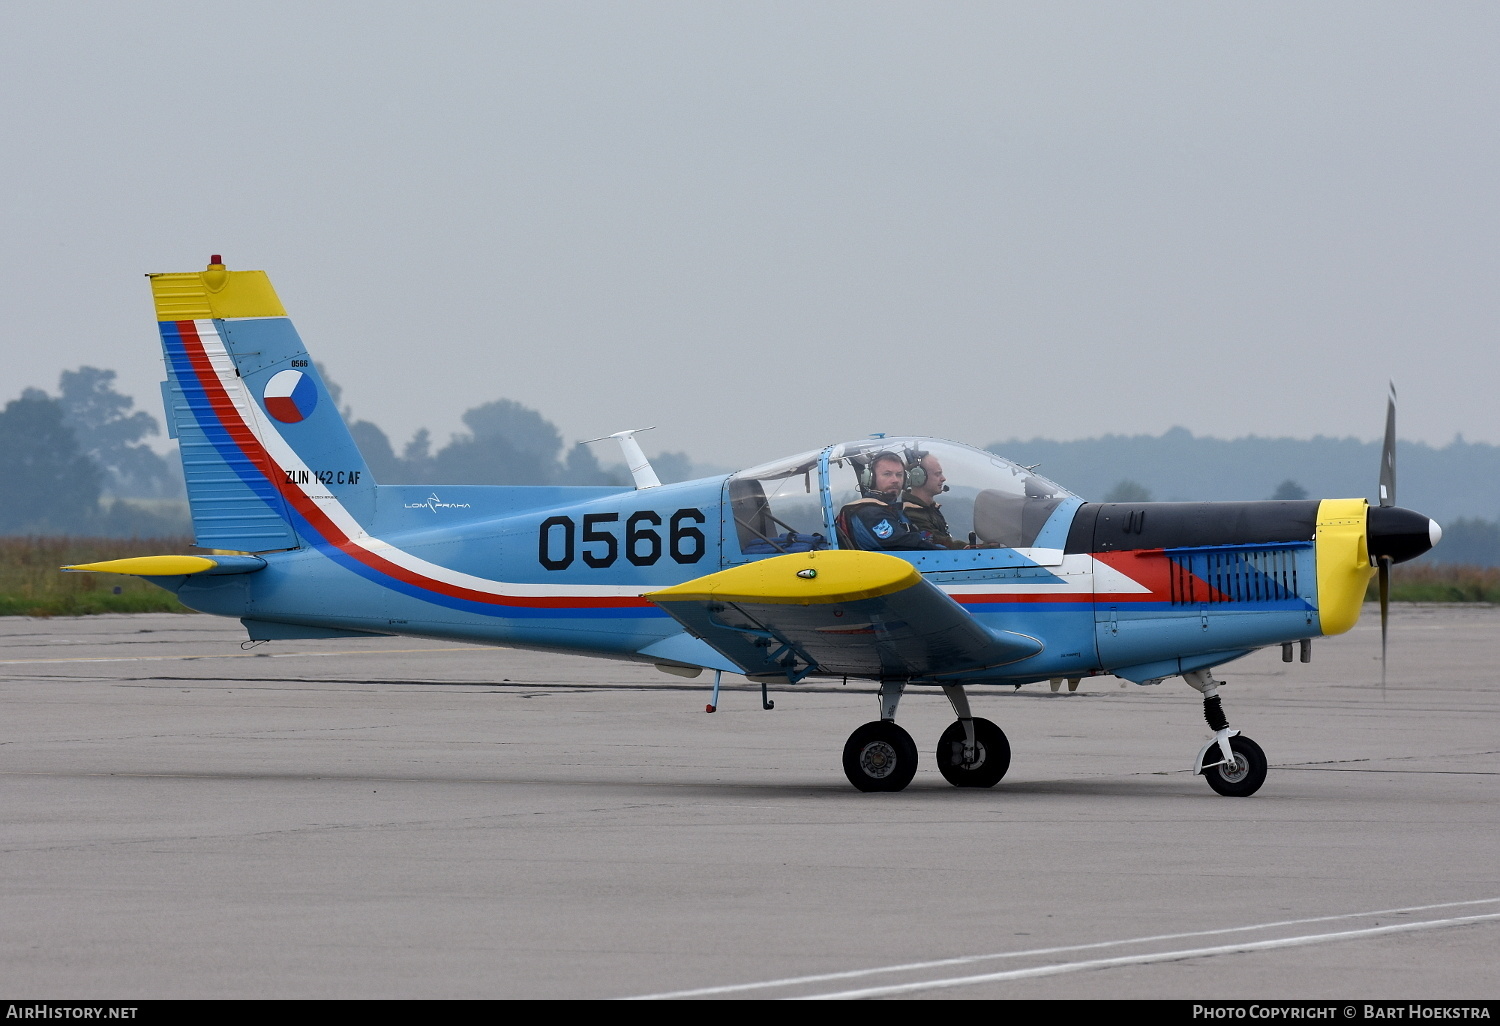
(916, 474)
(864, 469)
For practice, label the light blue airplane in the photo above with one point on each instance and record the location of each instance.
(836, 563)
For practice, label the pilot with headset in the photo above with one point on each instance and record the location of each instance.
(925, 481)
(877, 520)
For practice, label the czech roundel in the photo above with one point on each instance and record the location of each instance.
(290, 396)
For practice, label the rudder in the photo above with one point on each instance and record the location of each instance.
(261, 439)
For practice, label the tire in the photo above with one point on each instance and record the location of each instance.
(993, 761)
(880, 756)
(1249, 770)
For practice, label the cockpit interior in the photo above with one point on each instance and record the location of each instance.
(989, 502)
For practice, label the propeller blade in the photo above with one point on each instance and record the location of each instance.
(1388, 453)
(1385, 614)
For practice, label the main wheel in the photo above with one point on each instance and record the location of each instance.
(880, 756)
(1246, 775)
(992, 757)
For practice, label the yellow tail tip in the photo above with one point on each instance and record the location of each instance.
(215, 292)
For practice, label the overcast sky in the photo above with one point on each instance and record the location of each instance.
(766, 226)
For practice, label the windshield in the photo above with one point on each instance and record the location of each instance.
(958, 496)
(949, 495)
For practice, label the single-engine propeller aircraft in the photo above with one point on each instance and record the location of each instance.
(813, 566)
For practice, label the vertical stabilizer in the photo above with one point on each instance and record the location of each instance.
(262, 442)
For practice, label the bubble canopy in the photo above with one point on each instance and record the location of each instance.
(989, 502)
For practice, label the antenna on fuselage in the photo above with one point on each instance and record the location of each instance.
(635, 459)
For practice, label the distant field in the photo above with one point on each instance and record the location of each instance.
(31, 585)
(1441, 582)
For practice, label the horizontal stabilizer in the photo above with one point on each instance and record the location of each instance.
(838, 613)
(173, 566)
(685, 649)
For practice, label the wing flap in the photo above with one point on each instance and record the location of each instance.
(837, 613)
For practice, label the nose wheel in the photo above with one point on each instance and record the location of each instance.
(1232, 764)
(1241, 778)
(991, 756)
(880, 756)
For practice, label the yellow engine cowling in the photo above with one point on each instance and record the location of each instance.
(1342, 548)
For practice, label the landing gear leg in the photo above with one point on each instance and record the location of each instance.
(1232, 763)
(972, 752)
(881, 756)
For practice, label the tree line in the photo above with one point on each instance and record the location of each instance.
(1457, 484)
(506, 443)
(76, 463)
(1467, 541)
(1447, 482)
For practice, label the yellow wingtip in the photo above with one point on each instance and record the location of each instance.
(836, 576)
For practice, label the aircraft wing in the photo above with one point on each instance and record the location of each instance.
(837, 613)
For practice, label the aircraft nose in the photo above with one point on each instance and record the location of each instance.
(1401, 534)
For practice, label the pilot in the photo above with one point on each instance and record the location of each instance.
(877, 520)
(925, 483)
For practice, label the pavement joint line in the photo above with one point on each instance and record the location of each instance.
(1164, 956)
(970, 959)
(1377, 769)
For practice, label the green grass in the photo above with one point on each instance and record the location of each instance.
(32, 585)
(1440, 582)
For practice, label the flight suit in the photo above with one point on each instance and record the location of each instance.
(929, 517)
(873, 523)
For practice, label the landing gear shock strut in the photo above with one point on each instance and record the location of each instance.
(1232, 764)
(972, 752)
(880, 756)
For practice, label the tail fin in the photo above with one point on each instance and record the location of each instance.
(262, 442)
